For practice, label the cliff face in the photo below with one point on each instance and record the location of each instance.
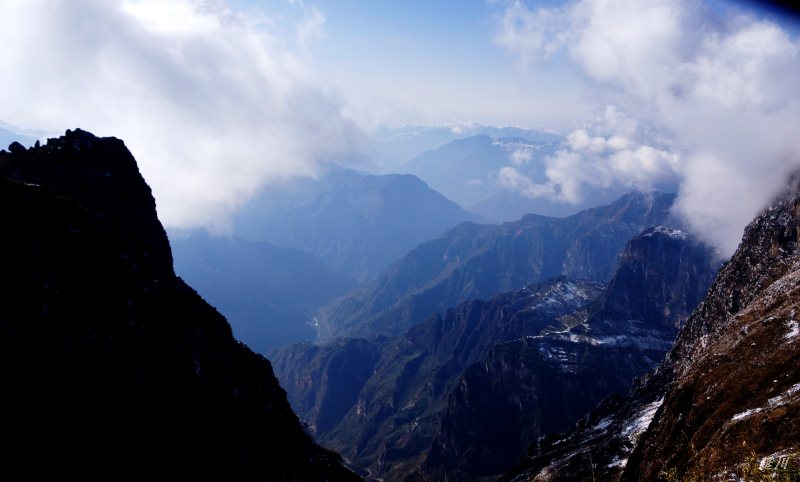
(662, 276)
(538, 386)
(726, 400)
(736, 367)
(111, 365)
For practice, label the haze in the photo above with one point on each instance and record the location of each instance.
(219, 99)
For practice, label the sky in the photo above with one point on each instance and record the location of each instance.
(219, 98)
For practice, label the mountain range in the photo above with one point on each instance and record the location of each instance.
(478, 261)
(462, 394)
(357, 224)
(391, 146)
(593, 340)
(462, 169)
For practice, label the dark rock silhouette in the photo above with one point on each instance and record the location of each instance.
(111, 366)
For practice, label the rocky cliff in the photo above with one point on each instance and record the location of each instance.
(725, 402)
(112, 366)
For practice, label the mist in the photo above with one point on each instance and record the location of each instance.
(213, 102)
(685, 96)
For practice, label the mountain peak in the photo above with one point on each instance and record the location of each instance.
(101, 175)
(726, 392)
(666, 271)
(111, 365)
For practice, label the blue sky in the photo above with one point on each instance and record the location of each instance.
(417, 61)
(219, 98)
(436, 62)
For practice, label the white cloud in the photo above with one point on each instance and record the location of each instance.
(510, 178)
(210, 100)
(521, 155)
(311, 27)
(711, 102)
(533, 35)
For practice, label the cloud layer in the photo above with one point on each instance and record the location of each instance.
(211, 101)
(704, 101)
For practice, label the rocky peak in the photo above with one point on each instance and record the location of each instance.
(734, 368)
(101, 175)
(724, 404)
(112, 366)
(663, 275)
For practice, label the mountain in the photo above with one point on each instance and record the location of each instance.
(357, 224)
(112, 366)
(539, 385)
(267, 293)
(377, 401)
(725, 402)
(509, 205)
(391, 146)
(477, 261)
(466, 170)
(10, 134)
(458, 394)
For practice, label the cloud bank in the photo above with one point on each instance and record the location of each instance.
(708, 102)
(211, 101)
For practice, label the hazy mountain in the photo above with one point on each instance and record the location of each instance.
(112, 366)
(508, 205)
(466, 170)
(392, 146)
(268, 294)
(9, 134)
(461, 395)
(725, 402)
(357, 224)
(477, 261)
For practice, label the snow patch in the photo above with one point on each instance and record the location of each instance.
(617, 462)
(641, 421)
(746, 414)
(672, 233)
(784, 397)
(641, 342)
(603, 424)
(794, 329)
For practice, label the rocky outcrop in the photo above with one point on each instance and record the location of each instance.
(112, 366)
(726, 400)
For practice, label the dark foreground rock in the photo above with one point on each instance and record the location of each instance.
(111, 366)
